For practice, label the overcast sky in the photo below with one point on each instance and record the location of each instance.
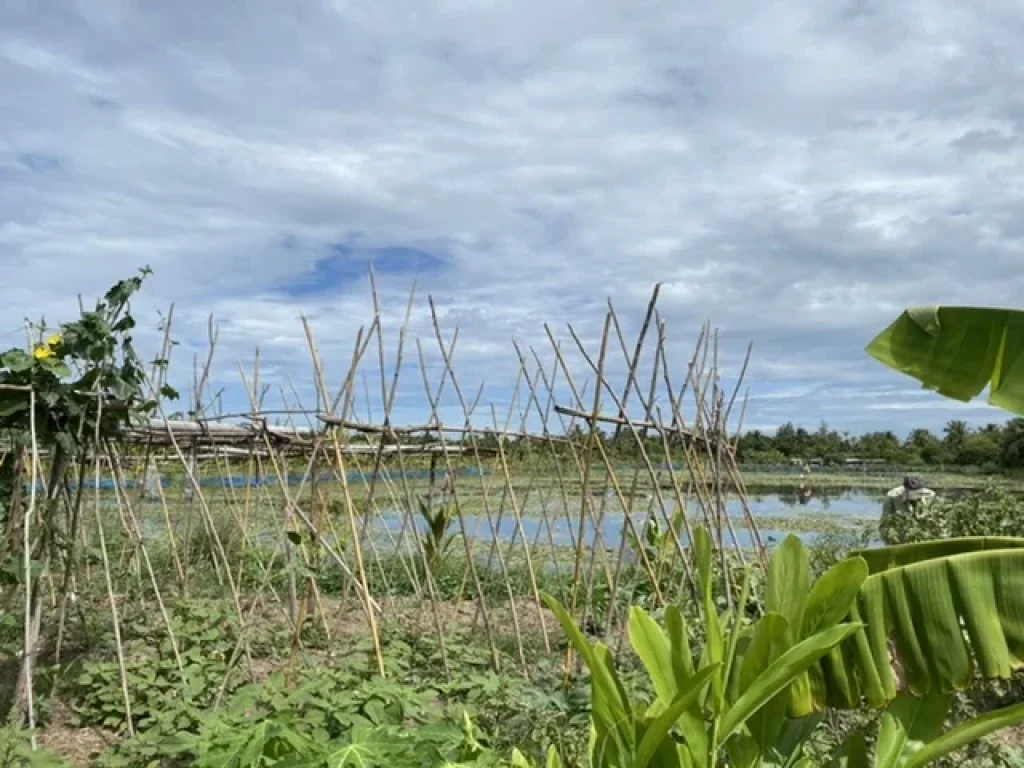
(794, 172)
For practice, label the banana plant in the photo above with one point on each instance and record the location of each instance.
(933, 614)
(958, 351)
(730, 700)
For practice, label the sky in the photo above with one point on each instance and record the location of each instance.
(795, 173)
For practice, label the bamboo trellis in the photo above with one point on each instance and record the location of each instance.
(348, 495)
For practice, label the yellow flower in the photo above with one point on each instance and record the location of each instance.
(54, 340)
(43, 353)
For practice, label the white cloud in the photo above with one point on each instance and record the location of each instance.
(796, 174)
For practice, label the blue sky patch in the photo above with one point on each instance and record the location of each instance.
(345, 265)
(39, 162)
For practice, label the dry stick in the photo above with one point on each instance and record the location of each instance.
(508, 490)
(507, 493)
(371, 615)
(74, 530)
(633, 363)
(635, 360)
(718, 429)
(243, 526)
(26, 549)
(545, 417)
(545, 496)
(586, 509)
(658, 496)
(208, 519)
(329, 520)
(120, 497)
(310, 558)
(470, 561)
(599, 546)
(678, 425)
(602, 381)
(435, 417)
(703, 413)
(282, 480)
(495, 538)
(330, 419)
(585, 481)
(526, 544)
(469, 542)
(496, 549)
(734, 469)
(682, 504)
(171, 539)
(74, 526)
(476, 528)
(387, 403)
(362, 342)
(371, 507)
(106, 572)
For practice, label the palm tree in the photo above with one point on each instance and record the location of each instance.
(956, 432)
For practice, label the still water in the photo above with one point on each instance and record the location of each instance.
(560, 525)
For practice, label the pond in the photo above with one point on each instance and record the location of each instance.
(809, 516)
(782, 513)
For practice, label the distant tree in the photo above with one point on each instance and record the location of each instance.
(1012, 444)
(927, 446)
(980, 449)
(956, 433)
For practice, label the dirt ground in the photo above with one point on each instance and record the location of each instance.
(77, 746)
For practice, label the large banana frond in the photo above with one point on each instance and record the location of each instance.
(931, 622)
(957, 351)
(885, 558)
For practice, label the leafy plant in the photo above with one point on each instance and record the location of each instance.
(725, 700)
(437, 539)
(766, 690)
(16, 751)
(994, 511)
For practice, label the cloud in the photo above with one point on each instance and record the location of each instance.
(796, 174)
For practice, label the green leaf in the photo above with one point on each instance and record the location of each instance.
(612, 708)
(655, 733)
(853, 753)
(967, 733)
(957, 351)
(768, 643)
(780, 674)
(832, 595)
(679, 640)
(885, 558)
(16, 360)
(652, 646)
(789, 576)
(909, 723)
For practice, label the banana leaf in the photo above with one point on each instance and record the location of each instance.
(958, 351)
(884, 558)
(940, 620)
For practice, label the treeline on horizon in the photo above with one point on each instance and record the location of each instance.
(990, 447)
